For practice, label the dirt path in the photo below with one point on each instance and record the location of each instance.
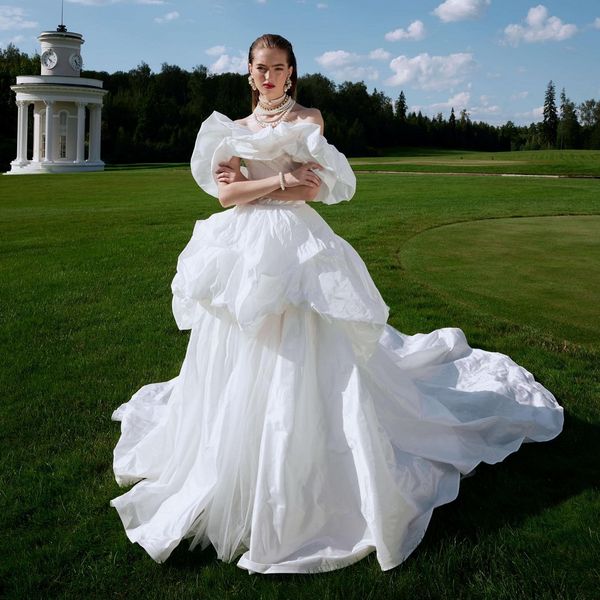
(477, 174)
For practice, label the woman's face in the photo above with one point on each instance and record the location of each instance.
(270, 70)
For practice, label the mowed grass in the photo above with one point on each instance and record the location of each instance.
(566, 163)
(86, 263)
(546, 269)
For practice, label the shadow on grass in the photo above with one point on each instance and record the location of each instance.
(538, 477)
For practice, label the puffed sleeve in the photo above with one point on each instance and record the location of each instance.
(220, 138)
(297, 142)
(339, 181)
(214, 132)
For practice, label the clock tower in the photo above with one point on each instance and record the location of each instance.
(61, 52)
(66, 108)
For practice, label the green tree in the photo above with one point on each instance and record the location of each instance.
(452, 119)
(401, 107)
(568, 126)
(589, 111)
(550, 123)
(13, 63)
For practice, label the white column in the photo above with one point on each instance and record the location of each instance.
(80, 132)
(49, 131)
(23, 108)
(95, 128)
(36, 134)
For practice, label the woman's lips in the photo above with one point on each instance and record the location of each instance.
(269, 86)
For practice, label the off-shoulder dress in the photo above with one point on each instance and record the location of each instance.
(303, 432)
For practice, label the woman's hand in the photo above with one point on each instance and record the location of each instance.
(228, 172)
(303, 175)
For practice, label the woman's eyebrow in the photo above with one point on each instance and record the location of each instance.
(277, 65)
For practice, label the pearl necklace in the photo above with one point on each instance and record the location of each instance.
(271, 106)
(283, 112)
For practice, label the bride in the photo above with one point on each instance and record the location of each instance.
(302, 432)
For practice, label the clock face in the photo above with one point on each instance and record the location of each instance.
(76, 61)
(49, 59)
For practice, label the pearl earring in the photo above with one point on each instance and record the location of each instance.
(288, 84)
(251, 82)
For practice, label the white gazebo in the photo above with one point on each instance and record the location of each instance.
(60, 99)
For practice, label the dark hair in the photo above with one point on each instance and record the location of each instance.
(272, 40)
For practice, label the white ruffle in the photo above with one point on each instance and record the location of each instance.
(220, 138)
(256, 261)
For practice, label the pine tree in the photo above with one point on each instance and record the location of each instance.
(568, 126)
(401, 107)
(550, 125)
(452, 119)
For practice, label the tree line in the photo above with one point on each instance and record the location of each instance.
(154, 116)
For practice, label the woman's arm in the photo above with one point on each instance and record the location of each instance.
(300, 192)
(234, 188)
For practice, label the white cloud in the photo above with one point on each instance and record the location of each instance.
(321, 5)
(539, 27)
(215, 50)
(347, 65)
(462, 101)
(460, 10)
(17, 39)
(456, 102)
(150, 2)
(230, 64)
(486, 107)
(431, 72)
(536, 113)
(415, 31)
(334, 59)
(596, 23)
(379, 54)
(170, 16)
(12, 18)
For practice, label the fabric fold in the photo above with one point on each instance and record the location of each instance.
(220, 138)
(258, 261)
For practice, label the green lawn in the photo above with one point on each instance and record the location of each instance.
(86, 263)
(546, 269)
(567, 163)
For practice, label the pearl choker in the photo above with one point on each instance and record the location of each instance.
(282, 110)
(272, 105)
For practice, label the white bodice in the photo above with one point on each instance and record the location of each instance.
(269, 151)
(259, 169)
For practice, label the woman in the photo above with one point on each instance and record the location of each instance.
(302, 432)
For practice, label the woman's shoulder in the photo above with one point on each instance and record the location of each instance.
(302, 114)
(244, 122)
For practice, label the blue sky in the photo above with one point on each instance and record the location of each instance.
(492, 57)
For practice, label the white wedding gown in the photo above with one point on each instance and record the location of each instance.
(303, 432)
